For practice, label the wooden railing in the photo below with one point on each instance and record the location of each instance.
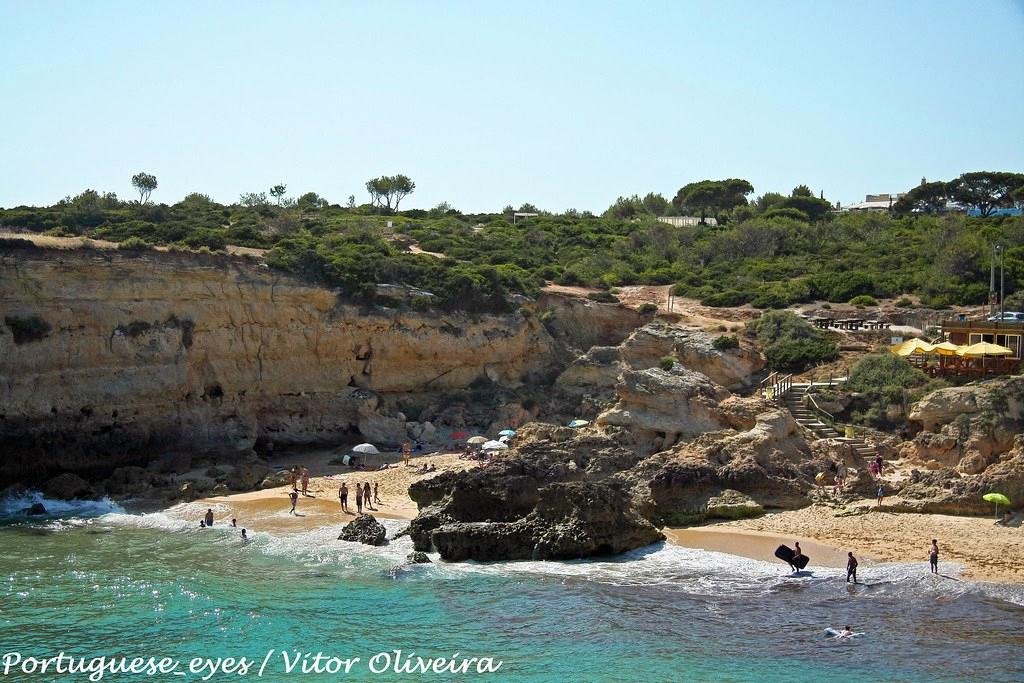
(813, 404)
(775, 386)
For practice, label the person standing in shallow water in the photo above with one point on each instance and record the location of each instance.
(851, 567)
(209, 517)
(933, 557)
(294, 495)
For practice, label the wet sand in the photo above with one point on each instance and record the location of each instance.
(760, 545)
(987, 551)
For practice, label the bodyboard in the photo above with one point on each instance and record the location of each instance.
(784, 553)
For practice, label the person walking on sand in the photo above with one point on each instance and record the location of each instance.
(933, 557)
(343, 496)
(878, 464)
(305, 481)
(294, 495)
(367, 495)
(406, 447)
(851, 567)
(376, 492)
(209, 516)
(881, 494)
(359, 499)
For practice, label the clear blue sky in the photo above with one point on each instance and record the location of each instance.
(563, 104)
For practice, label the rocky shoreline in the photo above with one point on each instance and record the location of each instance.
(190, 390)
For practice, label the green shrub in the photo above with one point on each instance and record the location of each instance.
(904, 302)
(791, 343)
(886, 379)
(25, 330)
(134, 244)
(726, 342)
(875, 372)
(667, 363)
(838, 287)
(648, 308)
(864, 300)
(603, 297)
(726, 299)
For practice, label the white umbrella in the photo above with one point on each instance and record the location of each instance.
(477, 439)
(494, 446)
(367, 448)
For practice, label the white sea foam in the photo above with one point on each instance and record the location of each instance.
(12, 506)
(689, 570)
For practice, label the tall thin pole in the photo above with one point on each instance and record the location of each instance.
(1002, 280)
(992, 284)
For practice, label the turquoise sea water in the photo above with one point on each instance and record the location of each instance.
(99, 582)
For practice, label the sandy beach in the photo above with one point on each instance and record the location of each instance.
(268, 509)
(987, 551)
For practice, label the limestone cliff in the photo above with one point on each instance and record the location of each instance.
(103, 352)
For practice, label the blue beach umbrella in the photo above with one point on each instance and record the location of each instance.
(507, 432)
(579, 423)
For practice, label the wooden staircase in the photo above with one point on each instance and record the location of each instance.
(818, 423)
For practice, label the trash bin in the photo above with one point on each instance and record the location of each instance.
(849, 432)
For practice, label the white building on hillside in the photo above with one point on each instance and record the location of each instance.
(874, 202)
(680, 221)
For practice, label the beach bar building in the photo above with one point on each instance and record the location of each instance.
(966, 333)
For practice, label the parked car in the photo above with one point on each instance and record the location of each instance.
(1007, 317)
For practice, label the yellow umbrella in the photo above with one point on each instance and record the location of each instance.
(910, 347)
(945, 349)
(982, 349)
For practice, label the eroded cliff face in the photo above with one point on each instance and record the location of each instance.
(105, 353)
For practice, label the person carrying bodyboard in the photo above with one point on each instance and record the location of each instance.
(794, 558)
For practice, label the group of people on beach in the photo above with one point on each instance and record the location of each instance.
(363, 496)
(851, 561)
(207, 522)
(300, 474)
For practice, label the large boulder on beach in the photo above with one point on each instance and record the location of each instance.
(571, 520)
(567, 493)
(364, 529)
(552, 497)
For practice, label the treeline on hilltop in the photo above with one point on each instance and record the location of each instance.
(771, 251)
